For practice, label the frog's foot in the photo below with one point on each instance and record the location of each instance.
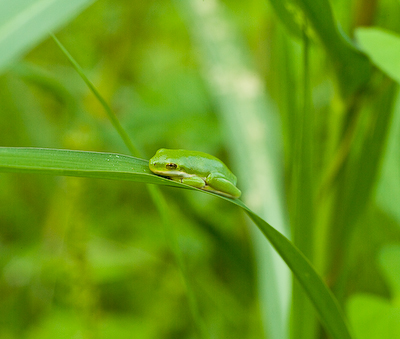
(218, 183)
(193, 181)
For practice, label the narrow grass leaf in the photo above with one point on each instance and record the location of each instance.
(353, 68)
(24, 23)
(358, 179)
(111, 115)
(303, 321)
(77, 163)
(325, 303)
(286, 15)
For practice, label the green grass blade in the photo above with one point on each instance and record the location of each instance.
(284, 11)
(323, 300)
(355, 184)
(110, 114)
(24, 23)
(122, 167)
(353, 68)
(77, 163)
(303, 322)
(383, 48)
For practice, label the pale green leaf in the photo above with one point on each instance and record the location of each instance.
(24, 23)
(390, 263)
(383, 48)
(373, 317)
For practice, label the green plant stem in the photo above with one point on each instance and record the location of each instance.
(303, 316)
(172, 239)
(133, 149)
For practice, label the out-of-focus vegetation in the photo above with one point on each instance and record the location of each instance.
(300, 102)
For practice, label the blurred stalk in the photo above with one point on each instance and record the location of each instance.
(388, 191)
(172, 239)
(254, 139)
(303, 321)
(65, 242)
(353, 68)
(357, 179)
(364, 13)
(83, 296)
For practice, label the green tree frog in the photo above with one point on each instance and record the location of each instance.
(195, 169)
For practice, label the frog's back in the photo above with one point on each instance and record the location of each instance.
(199, 163)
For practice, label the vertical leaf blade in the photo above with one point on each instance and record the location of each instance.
(353, 68)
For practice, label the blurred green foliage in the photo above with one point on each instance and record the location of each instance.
(86, 258)
(89, 258)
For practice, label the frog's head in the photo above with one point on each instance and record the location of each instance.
(162, 163)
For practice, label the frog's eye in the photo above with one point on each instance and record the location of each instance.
(171, 166)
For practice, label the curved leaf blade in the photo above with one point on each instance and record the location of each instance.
(123, 167)
(325, 303)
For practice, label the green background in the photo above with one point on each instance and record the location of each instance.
(300, 99)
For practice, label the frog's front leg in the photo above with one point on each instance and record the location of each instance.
(219, 183)
(191, 181)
